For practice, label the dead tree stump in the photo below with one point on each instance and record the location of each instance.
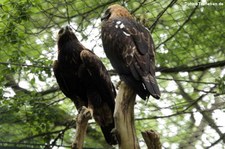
(124, 118)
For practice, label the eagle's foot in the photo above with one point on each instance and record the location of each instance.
(118, 84)
(114, 133)
(87, 113)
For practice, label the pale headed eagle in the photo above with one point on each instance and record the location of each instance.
(130, 49)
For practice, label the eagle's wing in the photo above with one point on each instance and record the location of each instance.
(103, 114)
(144, 56)
(99, 75)
(66, 79)
(62, 79)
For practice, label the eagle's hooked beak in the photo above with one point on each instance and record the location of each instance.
(106, 15)
(65, 30)
(68, 28)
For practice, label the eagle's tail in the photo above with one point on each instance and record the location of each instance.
(136, 85)
(109, 136)
(151, 85)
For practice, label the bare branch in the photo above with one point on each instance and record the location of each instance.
(190, 81)
(12, 83)
(152, 139)
(48, 91)
(200, 67)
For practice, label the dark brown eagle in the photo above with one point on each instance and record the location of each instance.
(83, 78)
(130, 49)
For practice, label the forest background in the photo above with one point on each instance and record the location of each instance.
(190, 68)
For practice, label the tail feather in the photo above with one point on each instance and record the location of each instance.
(152, 86)
(136, 85)
(109, 137)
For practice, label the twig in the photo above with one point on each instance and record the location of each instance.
(95, 8)
(67, 12)
(59, 136)
(198, 99)
(152, 27)
(25, 65)
(217, 141)
(140, 5)
(174, 34)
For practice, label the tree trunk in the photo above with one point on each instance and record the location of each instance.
(124, 118)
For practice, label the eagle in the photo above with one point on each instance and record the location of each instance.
(130, 49)
(83, 78)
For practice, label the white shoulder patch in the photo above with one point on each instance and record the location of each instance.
(127, 34)
(122, 25)
(119, 24)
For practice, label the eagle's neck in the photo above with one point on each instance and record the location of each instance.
(69, 53)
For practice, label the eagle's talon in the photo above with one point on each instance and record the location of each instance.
(115, 134)
(118, 84)
(88, 113)
(81, 109)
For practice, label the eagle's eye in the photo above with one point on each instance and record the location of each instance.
(106, 15)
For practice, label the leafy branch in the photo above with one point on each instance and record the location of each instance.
(201, 67)
(185, 22)
(152, 27)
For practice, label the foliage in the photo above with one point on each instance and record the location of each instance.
(189, 40)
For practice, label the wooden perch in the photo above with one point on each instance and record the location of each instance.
(124, 118)
(81, 127)
(152, 139)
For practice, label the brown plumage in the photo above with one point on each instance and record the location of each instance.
(83, 78)
(130, 49)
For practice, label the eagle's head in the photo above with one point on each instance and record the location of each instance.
(67, 40)
(115, 11)
(66, 34)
